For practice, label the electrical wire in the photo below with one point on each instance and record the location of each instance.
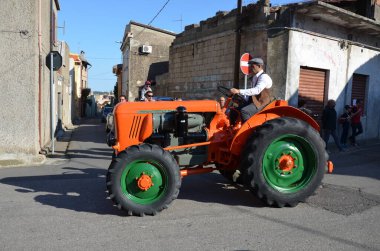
(158, 12)
(151, 21)
(23, 33)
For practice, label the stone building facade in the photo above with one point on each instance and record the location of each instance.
(64, 87)
(117, 70)
(327, 52)
(313, 50)
(79, 80)
(202, 57)
(25, 40)
(145, 51)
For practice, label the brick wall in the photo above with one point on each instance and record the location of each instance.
(202, 57)
(196, 69)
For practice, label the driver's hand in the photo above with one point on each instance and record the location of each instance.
(234, 91)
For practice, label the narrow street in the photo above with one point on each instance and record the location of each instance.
(63, 206)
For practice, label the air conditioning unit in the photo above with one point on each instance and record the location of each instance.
(147, 49)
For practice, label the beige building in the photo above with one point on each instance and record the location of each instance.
(117, 70)
(145, 52)
(26, 40)
(79, 78)
(64, 89)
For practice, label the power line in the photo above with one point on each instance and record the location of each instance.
(23, 33)
(158, 13)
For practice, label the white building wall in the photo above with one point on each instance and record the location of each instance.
(341, 61)
(125, 75)
(367, 62)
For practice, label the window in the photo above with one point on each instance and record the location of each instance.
(359, 88)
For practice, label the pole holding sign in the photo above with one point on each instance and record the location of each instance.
(54, 60)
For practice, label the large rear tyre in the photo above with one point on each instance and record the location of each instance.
(143, 180)
(285, 161)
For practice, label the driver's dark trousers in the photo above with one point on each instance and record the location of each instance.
(248, 111)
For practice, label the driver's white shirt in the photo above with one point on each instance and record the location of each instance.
(263, 82)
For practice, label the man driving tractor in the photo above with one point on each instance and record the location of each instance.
(259, 92)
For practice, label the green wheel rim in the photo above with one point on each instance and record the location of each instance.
(131, 174)
(303, 165)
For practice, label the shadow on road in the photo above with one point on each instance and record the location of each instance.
(91, 153)
(214, 188)
(83, 190)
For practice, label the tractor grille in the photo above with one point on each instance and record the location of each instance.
(135, 127)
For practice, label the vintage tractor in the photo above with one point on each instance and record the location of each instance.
(278, 153)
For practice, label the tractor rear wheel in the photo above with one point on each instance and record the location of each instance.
(285, 161)
(143, 180)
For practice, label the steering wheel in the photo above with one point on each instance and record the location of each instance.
(236, 97)
(224, 90)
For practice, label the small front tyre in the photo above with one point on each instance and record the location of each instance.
(143, 180)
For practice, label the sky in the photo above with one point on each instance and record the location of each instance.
(97, 27)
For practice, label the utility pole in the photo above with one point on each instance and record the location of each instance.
(237, 43)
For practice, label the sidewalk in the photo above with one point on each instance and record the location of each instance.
(61, 145)
(363, 144)
(60, 149)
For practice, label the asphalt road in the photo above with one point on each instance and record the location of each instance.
(62, 205)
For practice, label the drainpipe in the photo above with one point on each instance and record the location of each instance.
(52, 89)
(237, 43)
(346, 96)
(39, 75)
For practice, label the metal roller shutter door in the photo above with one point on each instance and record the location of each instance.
(312, 89)
(359, 85)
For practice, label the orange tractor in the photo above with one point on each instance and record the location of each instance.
(278, 153)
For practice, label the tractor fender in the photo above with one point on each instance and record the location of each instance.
(240, 138)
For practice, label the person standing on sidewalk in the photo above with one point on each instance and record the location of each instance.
(344, 120)
(329, 118)
(356, 124)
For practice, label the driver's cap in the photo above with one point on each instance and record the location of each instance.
(258, 61)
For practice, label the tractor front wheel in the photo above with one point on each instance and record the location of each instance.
(143, 180)
(285, 160)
